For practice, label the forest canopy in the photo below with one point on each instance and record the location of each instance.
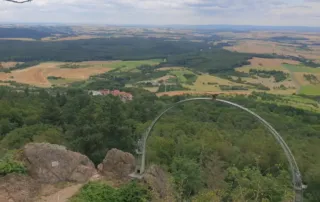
(208, 148)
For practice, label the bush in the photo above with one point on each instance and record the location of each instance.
(101, 192)
(8, 164)
(35, 133)
(95, 192)
(54, 77)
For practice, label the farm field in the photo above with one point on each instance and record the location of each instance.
(70, 38)
(296, 81)
(37, 75)
(310, 90)
(267, 64)
(127, 66)
(291, 84)
(294, 101)
(170, 68)
(301, 68)
(180, 74)
(269, 47)
(206, 83)
(175, 93)
(62, 73)
(6, 65)
(301, 80)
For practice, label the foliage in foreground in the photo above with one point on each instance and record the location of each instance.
(101, 192)
(8, 164)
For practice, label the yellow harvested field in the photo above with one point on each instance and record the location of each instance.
(70, 38)
(164, 78)
(253, 46)
(170, 68)
(19, 39)
(202, 83)
(267, 64)
(213, 79)
(271, 62)
(268, 47)
(4, 84)
(6, 65)
(299, 77)
(270, 82)
(152, 89)
(37, 75)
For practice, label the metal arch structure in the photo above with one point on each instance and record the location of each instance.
(18, 2)
(296, 175)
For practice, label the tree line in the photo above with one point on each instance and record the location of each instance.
(134, 48)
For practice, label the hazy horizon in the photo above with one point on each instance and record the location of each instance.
(164, 12)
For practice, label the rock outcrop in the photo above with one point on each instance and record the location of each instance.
(159, 182)
(18, 188)
(117, 165)
(49, 163)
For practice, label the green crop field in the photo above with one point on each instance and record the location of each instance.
(294, 101)
(125, 66)
(310, 90)
(301, 68)
(180, 75)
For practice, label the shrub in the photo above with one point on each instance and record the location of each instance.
(8, 164)
(101, 192)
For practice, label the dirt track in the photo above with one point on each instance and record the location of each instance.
(62, 195)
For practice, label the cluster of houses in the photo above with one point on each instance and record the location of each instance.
(124, 96)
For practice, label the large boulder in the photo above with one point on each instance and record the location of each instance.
(18, 188)
(159, 182)
(50, 163)
(117, 165)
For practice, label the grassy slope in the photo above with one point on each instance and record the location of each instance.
(127, 66)
(301, 68)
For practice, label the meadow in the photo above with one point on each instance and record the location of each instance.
(301, 68)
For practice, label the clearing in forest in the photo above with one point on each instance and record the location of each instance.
(300, 77)
(310, 90)
(170, 68)
(61, 73)
(267, 64)
(38, 75)
(269, 47)
(301, 68)
(206, 83)
(127, 66)
(181, 75)
(5, 65)
(271, 83)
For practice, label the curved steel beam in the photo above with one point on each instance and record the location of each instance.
(19, 2)
(296, 175)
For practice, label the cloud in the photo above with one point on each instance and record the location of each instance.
(256, 12)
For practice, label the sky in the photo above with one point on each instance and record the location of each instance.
(165, 12)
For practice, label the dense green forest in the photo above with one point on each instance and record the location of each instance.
(213, 61)
(95, 49)
(211, 150)
(22, 33)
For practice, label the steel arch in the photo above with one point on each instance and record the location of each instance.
(296, 175)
